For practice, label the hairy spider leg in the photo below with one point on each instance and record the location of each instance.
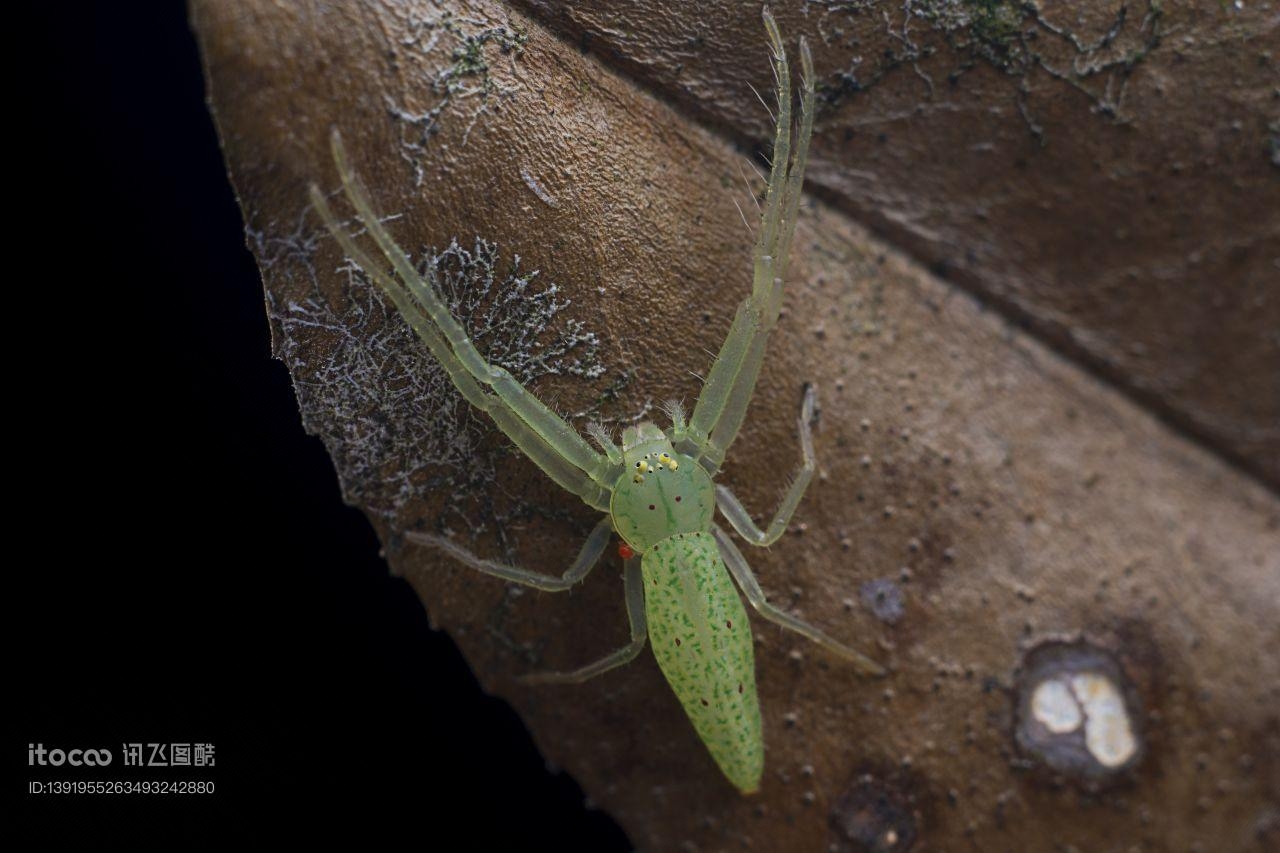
(586, 560)
(736, 514)
(564, 473)
(553, 429)
(678, 432)
(741, 571)
(735, 408)
(634, 581)
(731, 380)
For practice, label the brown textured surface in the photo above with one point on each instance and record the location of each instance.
(1009, 496)
(1129, 214)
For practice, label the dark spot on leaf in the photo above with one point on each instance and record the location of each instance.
(872, 817)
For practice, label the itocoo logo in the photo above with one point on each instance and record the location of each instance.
(37, 754)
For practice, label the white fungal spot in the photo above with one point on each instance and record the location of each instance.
(1077, 711)
(1107, 732)
(1092, 700)
(1055, 707)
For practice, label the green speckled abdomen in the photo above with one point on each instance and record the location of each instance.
(699, 633)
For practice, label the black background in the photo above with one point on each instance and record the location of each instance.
(187, 571)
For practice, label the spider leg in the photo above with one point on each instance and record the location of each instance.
(624, 655)
(737, 514)
(461, 352)
(741, 571)
(751, 314)
(722, 405)
(583, 563)
(553, 463)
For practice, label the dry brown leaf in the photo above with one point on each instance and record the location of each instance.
(1030, 519)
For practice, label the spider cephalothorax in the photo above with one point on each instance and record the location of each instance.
(660, 492)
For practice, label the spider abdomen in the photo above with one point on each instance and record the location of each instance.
(699, 633)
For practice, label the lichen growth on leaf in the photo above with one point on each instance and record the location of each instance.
(391, 419)
(464, 77)
(1012, 36)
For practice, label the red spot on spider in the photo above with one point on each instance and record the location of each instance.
(625, 551)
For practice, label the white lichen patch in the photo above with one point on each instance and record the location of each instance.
(1062, 705)
(455, 61)
(1095, 54)
(1077, 711)
(1055, 707)
(1108, 733)
(393, 422)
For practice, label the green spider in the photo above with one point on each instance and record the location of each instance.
(656, 489)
